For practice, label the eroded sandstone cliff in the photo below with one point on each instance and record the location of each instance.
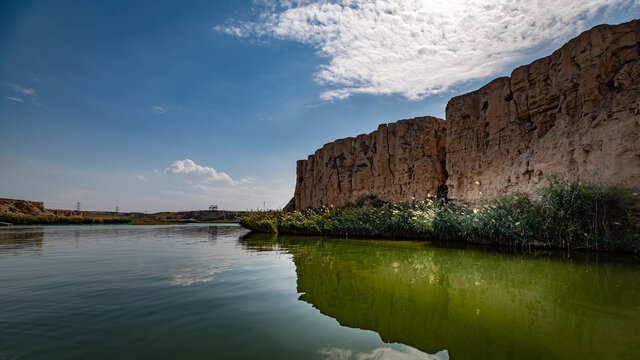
(576, 112)
(394, 163)
(573, 113)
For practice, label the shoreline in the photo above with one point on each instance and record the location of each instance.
(9, 220)
(474, 243)
(568, 215)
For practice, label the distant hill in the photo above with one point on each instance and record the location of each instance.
(32, 208)
(23, 207)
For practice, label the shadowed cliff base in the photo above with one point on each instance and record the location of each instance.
(568, 214)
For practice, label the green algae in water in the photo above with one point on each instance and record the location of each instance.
(208, 291)
(475, 304)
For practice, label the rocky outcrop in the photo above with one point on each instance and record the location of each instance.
(576, 112)
(397, 162)
(23, 207)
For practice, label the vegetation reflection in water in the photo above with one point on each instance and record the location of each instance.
(475, 304)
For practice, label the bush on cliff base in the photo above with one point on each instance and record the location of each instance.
(586, 213)
(569, 214)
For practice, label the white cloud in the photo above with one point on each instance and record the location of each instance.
(141, 178)
(228, 193)
(193, 172)
(21, 89)
(159, 110)
(418, 47)
(14, 99)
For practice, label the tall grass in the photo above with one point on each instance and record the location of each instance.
(58, 220)
(586, 214)
(569, 214)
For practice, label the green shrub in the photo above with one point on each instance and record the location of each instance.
(585, 214)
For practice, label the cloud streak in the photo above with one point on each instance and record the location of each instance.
(159, 109)
(21, 89)
(417, 48)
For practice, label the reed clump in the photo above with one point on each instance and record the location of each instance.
(567, 214)
(59, 220)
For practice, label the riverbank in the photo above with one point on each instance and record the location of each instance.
(26, 212)
(567, 214)
(59, 220)
(180, 222)
(63, 220)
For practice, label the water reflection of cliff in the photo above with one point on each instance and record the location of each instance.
(12, 239)
(477, 305)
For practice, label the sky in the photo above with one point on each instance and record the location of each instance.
(174, 105)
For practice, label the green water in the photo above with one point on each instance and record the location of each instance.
(209, 291)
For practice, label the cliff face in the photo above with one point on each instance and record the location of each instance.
(576, 112)
(573, 113)
(395, 163)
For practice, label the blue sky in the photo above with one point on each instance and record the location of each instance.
(171, 105)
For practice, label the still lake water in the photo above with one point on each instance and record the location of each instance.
(208, 291)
